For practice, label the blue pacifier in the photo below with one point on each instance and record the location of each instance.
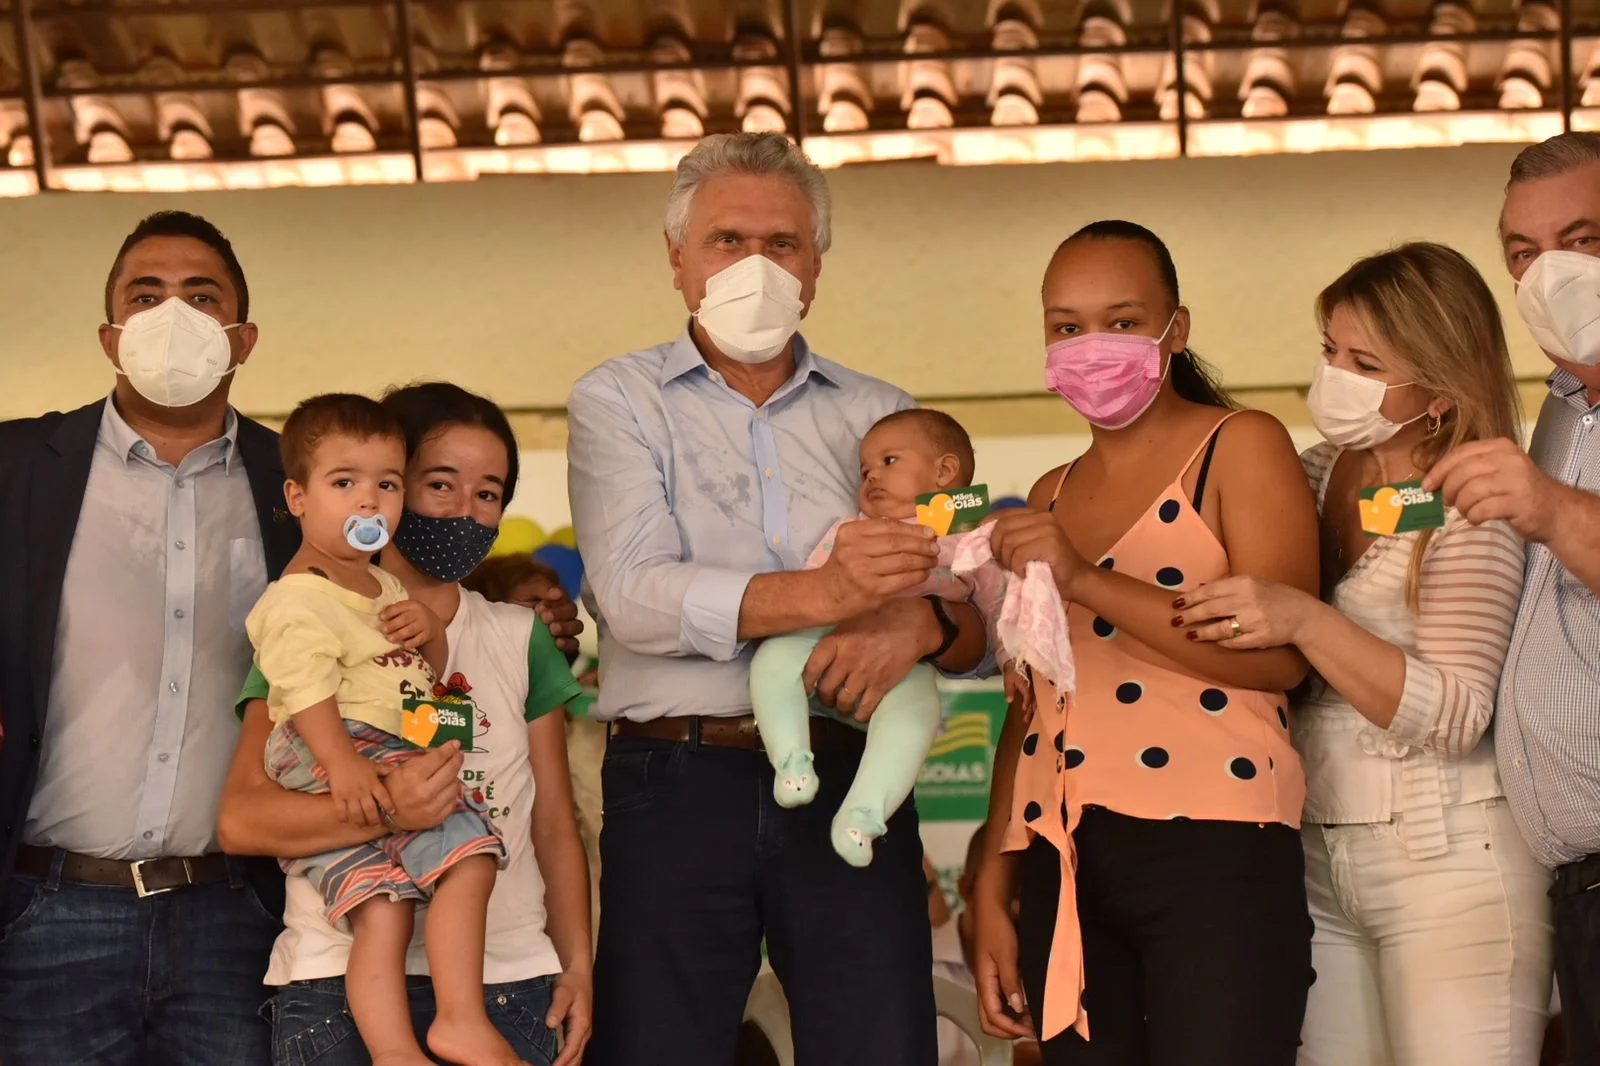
(366, 534)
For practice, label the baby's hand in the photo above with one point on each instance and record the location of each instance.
(411, 624)
(358, 791)
(1019, 689)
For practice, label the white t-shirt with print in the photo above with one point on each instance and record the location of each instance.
(489, 648)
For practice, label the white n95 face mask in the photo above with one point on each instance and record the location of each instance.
(1344, 407)
(174, 355)
(751, 309)
(1559, 300)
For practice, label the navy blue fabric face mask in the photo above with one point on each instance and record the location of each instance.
(446, 549)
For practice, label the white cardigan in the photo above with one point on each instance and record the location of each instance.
(1435, 753)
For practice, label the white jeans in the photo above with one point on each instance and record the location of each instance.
(1432, 962)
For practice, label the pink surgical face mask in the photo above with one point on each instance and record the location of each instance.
(1108, 378)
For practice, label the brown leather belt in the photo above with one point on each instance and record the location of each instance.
(827, 734)
(148, 877)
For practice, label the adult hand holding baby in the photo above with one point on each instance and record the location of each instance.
(853, 668)
(424, 787)
(868, 653)
(874, 560)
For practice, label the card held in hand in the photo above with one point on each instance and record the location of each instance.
(1403, 507)
(953, 510)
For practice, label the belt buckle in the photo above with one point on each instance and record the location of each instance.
(138, 878)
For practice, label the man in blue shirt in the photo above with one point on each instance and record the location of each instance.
(702, 473)
(1547, 734)
(141, 530)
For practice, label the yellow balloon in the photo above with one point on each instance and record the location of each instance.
(518, 536)
(564, 536)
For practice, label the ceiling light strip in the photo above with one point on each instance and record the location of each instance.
(948, 147)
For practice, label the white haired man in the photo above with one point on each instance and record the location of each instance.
(702, 472)
(1547, 731)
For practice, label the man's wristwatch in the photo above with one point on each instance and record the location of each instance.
(947, 627)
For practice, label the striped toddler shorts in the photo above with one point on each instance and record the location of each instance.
(401, 866)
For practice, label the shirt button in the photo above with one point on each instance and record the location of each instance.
(777, 539)
(163, 757)
(179, 482)
(149, 834)
(1588, 420)
(767, 472)
(172, 686)
(180, 545)
(1517, 763)
(178, 613)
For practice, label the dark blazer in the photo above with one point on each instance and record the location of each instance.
(44, 471)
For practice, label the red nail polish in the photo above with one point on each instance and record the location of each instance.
(1177, 622)
(1191, 635)
(1178, 604)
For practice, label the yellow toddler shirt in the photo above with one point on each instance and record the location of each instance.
(316, 639)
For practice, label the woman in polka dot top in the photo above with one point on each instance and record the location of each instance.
(1433, 943)
(1148, 820)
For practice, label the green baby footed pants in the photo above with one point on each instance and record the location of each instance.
(899, 734)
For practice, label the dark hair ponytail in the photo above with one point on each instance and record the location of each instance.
(1192, 377)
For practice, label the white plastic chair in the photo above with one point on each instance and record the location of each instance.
(769, 1010)
(960, 1005)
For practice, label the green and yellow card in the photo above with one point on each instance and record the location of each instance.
(431, 723)
(954, 510)
(1403, 507)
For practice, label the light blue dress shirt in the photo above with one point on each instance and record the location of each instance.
(682, 490)
(150, 650)
(1547, 731)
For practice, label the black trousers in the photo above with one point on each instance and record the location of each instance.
(1196, 941)
(1577, 919)
(698, 863)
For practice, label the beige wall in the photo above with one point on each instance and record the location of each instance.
(515, 286)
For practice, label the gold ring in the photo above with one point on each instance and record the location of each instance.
(1237, 628)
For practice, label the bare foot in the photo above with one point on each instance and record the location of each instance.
(470, 1042)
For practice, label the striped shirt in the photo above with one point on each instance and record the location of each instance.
(1431, 756)
(1548, 729)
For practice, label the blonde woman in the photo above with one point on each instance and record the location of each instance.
(1433, 941)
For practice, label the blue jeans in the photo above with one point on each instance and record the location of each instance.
(311, 1021)
(96, 976)
(699, 864)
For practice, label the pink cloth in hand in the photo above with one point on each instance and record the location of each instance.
(1032, 627)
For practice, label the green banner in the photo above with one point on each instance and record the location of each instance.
(953, 785)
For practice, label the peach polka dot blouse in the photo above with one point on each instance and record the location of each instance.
(1143, 736)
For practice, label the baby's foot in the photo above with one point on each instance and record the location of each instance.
(470, 1042)
(796, 782)
(854, 830)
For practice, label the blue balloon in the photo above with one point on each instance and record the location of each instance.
(1006, 503)
(567, 564)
